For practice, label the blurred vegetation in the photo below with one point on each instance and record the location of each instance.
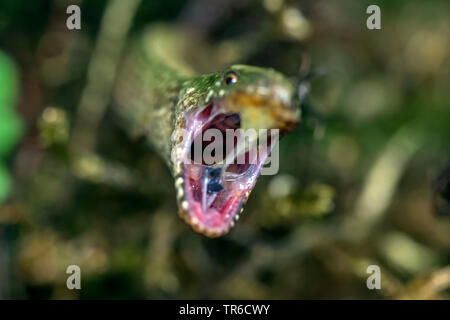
(9, 122)
(363, 180)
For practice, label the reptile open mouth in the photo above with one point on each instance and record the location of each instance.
(212, 193)
(160, 97)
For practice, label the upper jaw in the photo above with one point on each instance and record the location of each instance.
(264, 109)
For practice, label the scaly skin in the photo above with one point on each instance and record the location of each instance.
(157, 94)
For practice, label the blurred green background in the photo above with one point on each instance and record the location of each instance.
(362, 180)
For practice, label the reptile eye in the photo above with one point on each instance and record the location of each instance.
(230, 78)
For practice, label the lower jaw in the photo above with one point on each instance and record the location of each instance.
(214, 213)
(223, 211)
(213, 220)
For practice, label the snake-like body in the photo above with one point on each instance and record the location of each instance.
(160, 97)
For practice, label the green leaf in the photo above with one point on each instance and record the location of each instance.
(10, 124)
(5, 183)
(8, 83)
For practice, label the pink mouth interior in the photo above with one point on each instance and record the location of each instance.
(214, 200)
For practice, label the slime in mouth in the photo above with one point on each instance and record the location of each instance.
(214, 193)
